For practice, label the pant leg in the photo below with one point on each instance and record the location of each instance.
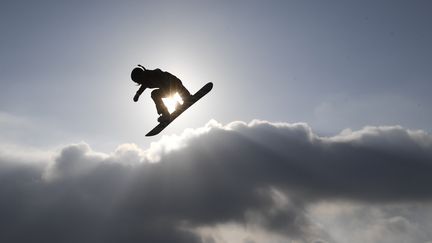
(157, 96)
(182, 91)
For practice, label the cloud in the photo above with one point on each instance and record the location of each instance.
(357, 223)
(268, 178)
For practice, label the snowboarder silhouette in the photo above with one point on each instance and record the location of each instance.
(165, 85)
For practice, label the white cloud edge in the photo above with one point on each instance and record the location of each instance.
(169, 143)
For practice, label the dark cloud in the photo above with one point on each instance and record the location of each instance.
(259, 174)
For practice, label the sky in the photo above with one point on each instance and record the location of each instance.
(318, 127)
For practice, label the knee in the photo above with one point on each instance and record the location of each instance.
(179, 87)
(155, 94)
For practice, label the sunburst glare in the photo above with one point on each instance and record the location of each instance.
(172, 101)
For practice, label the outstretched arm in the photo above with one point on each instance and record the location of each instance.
(139, 92)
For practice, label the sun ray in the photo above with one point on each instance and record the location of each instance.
(172, 101)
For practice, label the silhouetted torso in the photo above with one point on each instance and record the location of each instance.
(159, 79)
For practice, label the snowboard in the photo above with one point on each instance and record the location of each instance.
(180, 109)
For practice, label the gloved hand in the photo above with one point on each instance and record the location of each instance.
(135, 98)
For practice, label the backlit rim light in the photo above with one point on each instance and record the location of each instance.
(171, 102)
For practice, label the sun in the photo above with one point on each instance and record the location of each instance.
(171, 102)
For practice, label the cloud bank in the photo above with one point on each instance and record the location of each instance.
(256, 182)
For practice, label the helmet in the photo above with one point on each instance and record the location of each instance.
(137, 74)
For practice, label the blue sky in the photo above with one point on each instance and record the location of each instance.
(334, 65)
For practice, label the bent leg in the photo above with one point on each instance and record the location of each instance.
(183, 92)
(157, 96)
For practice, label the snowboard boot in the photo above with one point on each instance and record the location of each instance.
(164, 118)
